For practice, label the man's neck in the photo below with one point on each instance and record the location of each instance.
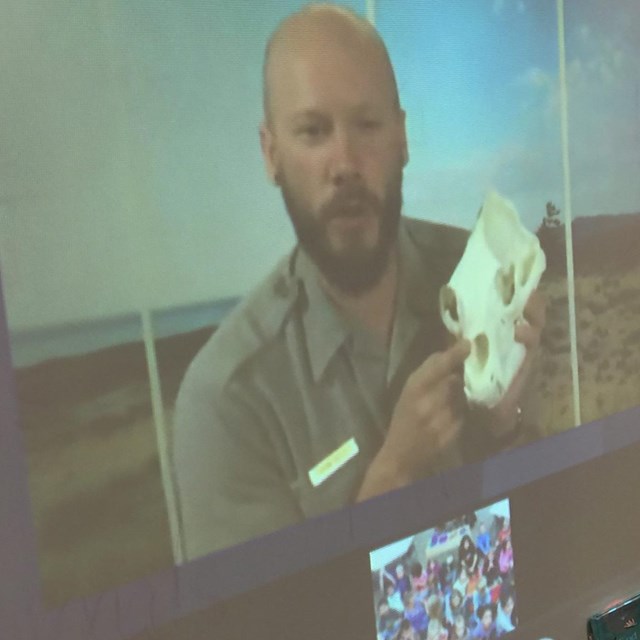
(373, 309)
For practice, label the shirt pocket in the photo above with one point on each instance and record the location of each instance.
(337, 490)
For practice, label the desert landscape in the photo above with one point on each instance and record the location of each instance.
(607, 288)
(94, 475)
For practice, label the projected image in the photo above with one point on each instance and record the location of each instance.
(149, 209)
(452, 582)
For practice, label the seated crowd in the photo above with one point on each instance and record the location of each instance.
(464, 598)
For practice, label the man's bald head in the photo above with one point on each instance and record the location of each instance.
(321, 26)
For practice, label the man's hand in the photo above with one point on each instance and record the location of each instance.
(426, 420)
(504, 416)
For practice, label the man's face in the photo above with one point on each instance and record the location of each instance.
(336, 147)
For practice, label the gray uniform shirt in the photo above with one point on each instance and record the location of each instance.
(286, 382)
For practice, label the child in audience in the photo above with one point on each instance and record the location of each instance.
(388, 620)
(419, 578)
(505, 618)
(486, 628)
(468, 555)
(505, 559)
(406, 632)
(459, 629)
(453, 606)
(416, 613)
(436, 630)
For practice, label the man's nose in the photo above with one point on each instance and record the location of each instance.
(345, 157)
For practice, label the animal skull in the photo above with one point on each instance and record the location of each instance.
(485, 298)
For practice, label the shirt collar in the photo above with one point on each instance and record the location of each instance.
(325, 329)
(417, 300)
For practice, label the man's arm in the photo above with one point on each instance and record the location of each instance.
(228, 480)
(426, 420)
(431, 411)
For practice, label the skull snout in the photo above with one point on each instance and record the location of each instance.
(486, 295)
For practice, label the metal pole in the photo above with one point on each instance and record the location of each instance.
(568, 232)
(371, 11)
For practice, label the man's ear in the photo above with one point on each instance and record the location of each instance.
(269, 154)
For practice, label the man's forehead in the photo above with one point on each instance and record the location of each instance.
(315, 78)
(323, 53)
(312, 46)
(320, 25)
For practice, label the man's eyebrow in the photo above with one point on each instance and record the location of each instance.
(306, 114)
(363, 109)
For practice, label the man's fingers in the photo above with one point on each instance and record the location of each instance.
(528, 335)
(535, 310)
(446, 430)
(448, 394)
(441, 364)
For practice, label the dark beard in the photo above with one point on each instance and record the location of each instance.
(356, 269)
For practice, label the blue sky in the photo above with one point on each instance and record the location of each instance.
(458, 64)
(479, 81)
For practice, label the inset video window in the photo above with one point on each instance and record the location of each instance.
(455, 581)
(142, 208)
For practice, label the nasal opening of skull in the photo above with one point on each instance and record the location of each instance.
(480, 351)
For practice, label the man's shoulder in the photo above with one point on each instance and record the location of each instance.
(437, 238)
(254, 324)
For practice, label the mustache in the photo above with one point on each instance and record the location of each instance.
(349, 201)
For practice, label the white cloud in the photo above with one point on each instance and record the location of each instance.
(498, 7)
(584, 32)
(536, 78)
(604, 129)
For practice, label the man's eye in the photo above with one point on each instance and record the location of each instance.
(310, 131)
(369, 125)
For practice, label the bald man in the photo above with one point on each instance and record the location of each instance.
(334, 381)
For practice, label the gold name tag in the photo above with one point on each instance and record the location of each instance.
(333, 462)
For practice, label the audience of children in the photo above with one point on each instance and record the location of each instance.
(467, 597)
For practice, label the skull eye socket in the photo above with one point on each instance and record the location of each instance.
(505, 283)
(449, 302)
(481, 348)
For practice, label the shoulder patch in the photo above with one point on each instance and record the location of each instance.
(252, 325)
